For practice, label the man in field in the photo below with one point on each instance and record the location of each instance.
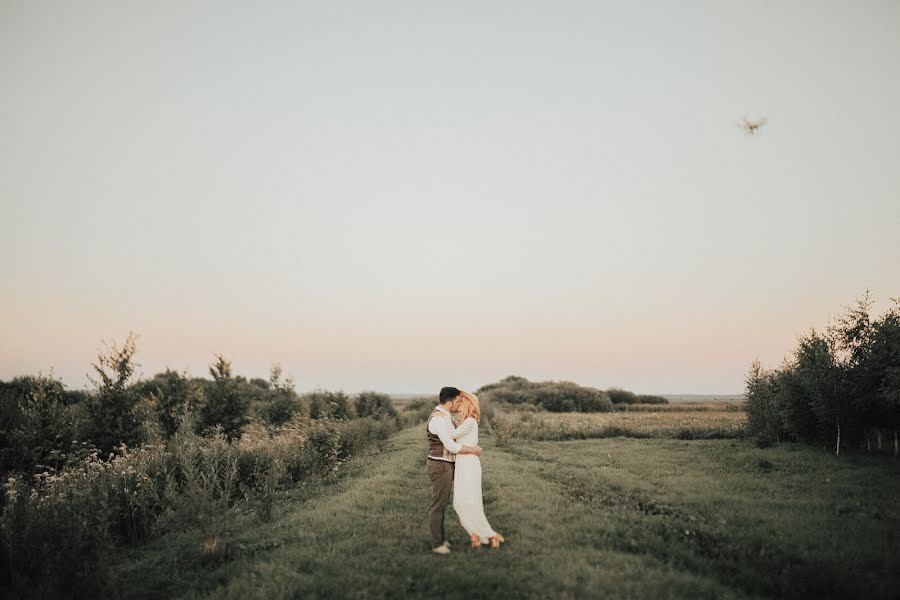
(442, 451)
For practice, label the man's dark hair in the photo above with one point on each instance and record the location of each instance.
(448, 394)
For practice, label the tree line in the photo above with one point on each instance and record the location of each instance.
(86, 473)
(43, 424)
(840, 387)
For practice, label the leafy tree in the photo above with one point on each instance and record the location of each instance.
(280, 403)
(38, 423)
(328, 405)
(823, 379)
(113, 417)
(840, 387)
(620, 396)
(763, 422)
(171, 395)
(225, 404)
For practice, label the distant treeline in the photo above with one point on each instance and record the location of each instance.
(840, 387)
(40, 419)
(562, 396)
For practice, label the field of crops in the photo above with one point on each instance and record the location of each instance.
(679, 421)
(720, 406)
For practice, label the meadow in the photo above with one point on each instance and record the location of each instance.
(621, 517)
(325, 495)
(708, 420)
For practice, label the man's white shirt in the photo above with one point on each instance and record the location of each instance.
(442, 427)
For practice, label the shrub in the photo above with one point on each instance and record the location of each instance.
(279, 407)
(201, 487)
(375, 405)
(651, 399)
(38, 421)
(328, 405)
(113, 415)
(170, 395)
(563, 396)
(280, 402)
(59, 530)
(418, 410)
(620, 396)
(225, 405)
(321, 455)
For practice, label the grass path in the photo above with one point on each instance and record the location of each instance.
(583, 519)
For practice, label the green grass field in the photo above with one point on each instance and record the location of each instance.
(613, 517)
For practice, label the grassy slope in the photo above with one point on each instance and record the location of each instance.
(618, 517)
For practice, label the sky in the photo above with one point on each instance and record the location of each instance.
(400, 196)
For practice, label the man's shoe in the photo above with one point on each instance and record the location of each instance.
(442, 549)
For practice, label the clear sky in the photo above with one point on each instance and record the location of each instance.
(405, 195)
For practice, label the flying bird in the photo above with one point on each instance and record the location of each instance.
(752, 127)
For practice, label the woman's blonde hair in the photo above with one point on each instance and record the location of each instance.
(469, 407)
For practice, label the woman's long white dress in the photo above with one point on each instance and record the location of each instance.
(467, 500)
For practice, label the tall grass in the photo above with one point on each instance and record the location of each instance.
(59, 528)
(611, 518)
(692, 406)
(696, 424)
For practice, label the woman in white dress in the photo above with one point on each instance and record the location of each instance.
(467, 500)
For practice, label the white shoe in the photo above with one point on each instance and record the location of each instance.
(442, 549)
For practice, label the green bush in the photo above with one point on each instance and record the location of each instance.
(114, 414)
(170, 395)
(59, 527)
(651, 399)
(375, 405)
(324, 404)
(38, 421)
(620, 396)
(280, 402)
(278, 407)
(58, 530)
(226, 406)
(418, 410)
(362, 433)
(201, 489)
(321, 455)
(563, 396)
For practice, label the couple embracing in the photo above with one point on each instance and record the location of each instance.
(453, 464)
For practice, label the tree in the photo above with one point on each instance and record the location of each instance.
(113, 418)
(280, 402)
(840, 386)
(225, 404)
(763, 419)
(823, 379)
(172, 396)
(328, 405)
(38, 423)
(885, 359)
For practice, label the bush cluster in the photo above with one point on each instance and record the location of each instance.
(563, 396)
(624, 397)
(87, 472)
(841, 386)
